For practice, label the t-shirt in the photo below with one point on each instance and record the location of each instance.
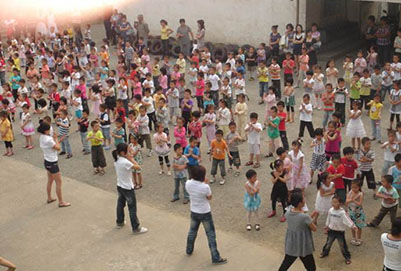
(184, 30)
(78, 102)
(375, 109)
(349, 168)
(273, 132)
(198, 191)
(98, 140)
(338, 182)
(195, 151)
(119, 132)
(298, 238)
(291, 64)
(182, 160)
(149, 108)
(253, 135)
(304, 116)
(172, 96)
(219, 149)
(337, 220)
(47, 143)
(143, 124)
(214, 80)
(124, 173)
(392, 252)
(340, 95)
(6, 125)
(263, 74)
(366, 166)
(392, 193)
(233, 146)
(388, 154)
(366, 84)
(83, 125)
(396, 173)
(355, 91)
(283, 117)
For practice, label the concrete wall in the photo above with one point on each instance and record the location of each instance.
(227, 21)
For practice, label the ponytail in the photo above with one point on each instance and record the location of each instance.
(321, 178)
(121, 148)
(115, 155)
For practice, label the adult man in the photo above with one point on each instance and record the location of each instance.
(383, 35)
(200, 195)
(183, 32)
(143, 29)
(370, 33)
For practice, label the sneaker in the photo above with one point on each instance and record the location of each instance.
(248, 227)
(169, 173)
(283, 219)
(140, 230)
(230, 169)
(68, 156)
(121, 225)
(174, 200)
(150, 153)
(257, 227)
(107, 147)
(161, 172)
(353, 241)
(221, 261)
(371, 225)
(273, 213)
(223, 181)
(237, 173)
(212, 180)
(62, 153)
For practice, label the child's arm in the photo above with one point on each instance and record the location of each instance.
(359, 200)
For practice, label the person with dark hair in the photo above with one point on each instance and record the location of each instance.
(350, 167)
(252, 198)
(298, 238)
(180, 162)
(366, 158)
(318, 161)
(340, 98)
(165, 32)
(391, 243)
(279, 191)
(383, 35)
(124, 164)
(326, 191)
(336, 171)
(96, 139)
(370, 32)
(200, 34)
(395, 171)
(218, 151)
(183, 36)
(50, 146)
(200, 194)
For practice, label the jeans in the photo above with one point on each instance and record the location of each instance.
(376, 133)
(85, 143)
(221, 164)
(326, 117)
(308, 261)
(340, 236)
(179, 181)
(215, 96)
(127, 197)
(65, 145)
(382, 213)
(263, 88)
(384, 90)
(207, 222)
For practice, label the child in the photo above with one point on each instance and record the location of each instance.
(218, 151)
(366, 84)
(270, 100)
(390, 148)
(328, 104)
(223, 116)
(199, 90)
(332, 138)
(387, 80)
(305, 117)
(180, 132)
(105, 122)
(350, 166)
(348, 67)
(356, 212)
(375, 109)
(331, 73)
(318, 157)
(77, 104)
(148, 101)
(180, 174)
(63, 124)
(395, 101)
(281, 127)
(355, 128)
(27, 127)
(226, 92)
(336, 171)
(250, 59)
(355, 89)
(308, 82)
(96, 140)
(136, 152)
(272, 132)
(252, 198)
(318, 86)
(253, 129)
(233, 139)
(173, 100)
(366, 158)
(390, 199)
(195, 126)
(360, 63)
(337, 220)
(395, 171)
(377, 80)
(210, 121)
(289, 99)
(83, 124)
(279, 191)
(162, 149)
(186, 108)
(299, 176)
(324, 195)
(118, 133)
(144, 132)
(192, 152)
(288, 66)
(274, 71)
(6, 133)
(241, 112)
(162, 114)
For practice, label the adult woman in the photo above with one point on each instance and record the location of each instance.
(298, 40)
(316, 36)
(289, 36)
(50, 146)
(200, 35)
(126, 30)
(309, 44)
(274, 41)
(391, 243)
(124, 164)
(383, 41)
(298, 239)
(165, 32)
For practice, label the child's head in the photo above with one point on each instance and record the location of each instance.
(366, 142)
(200, 76)
(309, 74)
(289, 82)
(331, 126)
(253, 117)
(25, 108)
(63, 114)
(281, 153)
(377, 99)
(196, 115)
(273, 111)
(95, 125)
(355, 104)
(119, 103)
(366, 73)
(356, 186)
(278, 165)
(187, 94)
(172, 84)
(137, 98)
(336, 160)
(219, 135)
(396, 58)
(180, 122)
(133, 139)
(251, 175)
(391, 136)
(329, 87)
(162, 102)
(297, 200)
(341, 82)
(319, 133)
(142, 110)
(241, 98)
(397, 160)
(348, 153)
(360, 54)
(280, 106)
(330, 63)
(222, 103)
(274, 60)
(356, 76)
(336, 202)
(77, 93)
(288, 55)
(85, 113)
(398, 126)
(210, 108)
(336, 117)
(119, 122)
(377, 69)
(178, 149)
(296, 145)
(102, 107)
(232, 126)
(387, 181)
(147, 92)
(159, 127)
(306, 98)
(193, 141)
(271, 90)
(318, 69)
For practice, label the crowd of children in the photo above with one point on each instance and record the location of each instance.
(150, 102)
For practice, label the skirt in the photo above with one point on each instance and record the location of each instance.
(355, 129)
(322, 204)
(357, 215)
(279, 191)
(318, 162)
(28, 130)
(301, 182)
(252, 203)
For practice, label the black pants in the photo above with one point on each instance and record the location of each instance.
(340, 107)
(187, 118)
(340, 236)
(365, 99)
(165, 159)
(152, 119)
(309, 126)
(127, 197)
(308, 261)
(277, 85)
(284, 139)
(165, 45)
(8, 144)
(283, 203)
(383, 52)
(370, 178)
(397, 117)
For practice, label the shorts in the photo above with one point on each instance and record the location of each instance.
(174, 111)
(236, 161)
(254, 148)
(78, 114)
(52, 167)
(106, 132)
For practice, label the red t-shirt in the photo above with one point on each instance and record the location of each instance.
(338, 182)
(350, 166)
(282, 116)
(291, 64)
(121, 113)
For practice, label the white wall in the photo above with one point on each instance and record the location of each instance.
(226, 21)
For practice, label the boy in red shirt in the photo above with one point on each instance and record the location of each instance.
(350, 166)
(336, 171)
(281, 127)
(289, 66)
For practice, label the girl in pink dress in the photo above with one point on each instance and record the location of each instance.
(180, 133)
(270, 100)
(96, 97)
(299, 175)
(210, 121)
(162, 149)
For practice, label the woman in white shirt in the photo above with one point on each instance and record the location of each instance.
(124, 164)
(391, 243)
(50, 146)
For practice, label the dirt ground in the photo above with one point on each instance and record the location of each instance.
(227, 203)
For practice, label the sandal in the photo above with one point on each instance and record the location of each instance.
(257, 227)
(50, 201)
(64, 205)
(256, 165)
(102, 172)
(95, 171)
(249, 163)
(348, 261)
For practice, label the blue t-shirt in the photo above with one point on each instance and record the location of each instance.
(192, 161)
(120, 132)
(393, 171)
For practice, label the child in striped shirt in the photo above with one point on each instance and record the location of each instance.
(64, 129)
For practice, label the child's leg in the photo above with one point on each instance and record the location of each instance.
(391, 120)
(353, 142)
(274, 203)
(49, 186)
(148, 142)
(354, 233)
(359, 234)
(292, 114)
(301, 129)
(161, 164)
(379, 217)
(251, 157)
(134, 176)
(167, 162)
(283, 204)
(248, 217)
(393, 213)
(311, 131)
(176, 194)
(256, 213)
(343, 245)
(139, 178)
(358, 142)
(222, 165)
(331, 236)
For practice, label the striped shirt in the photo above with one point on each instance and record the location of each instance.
(320, 148)
(366, 166)
(64, 131)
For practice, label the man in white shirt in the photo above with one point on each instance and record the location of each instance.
(200, 195)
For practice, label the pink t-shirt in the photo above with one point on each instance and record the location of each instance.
(163, 81)
(291, 63)
(200, 87)
(180, 136)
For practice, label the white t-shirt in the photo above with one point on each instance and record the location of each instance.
(306, 116)
(253, 135)
(198, 191)
(77, 100)
(124, 173)
(392, 252)
(150, 85)
(239, 86)
(214, 80)
(396, 68)
(149, 108)
(388, 154)
(338, 220)
(122, 92)
(224, 116)
(47, 143)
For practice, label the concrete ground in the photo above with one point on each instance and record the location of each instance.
(227, 206)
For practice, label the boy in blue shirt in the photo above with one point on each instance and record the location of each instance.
(192, 153)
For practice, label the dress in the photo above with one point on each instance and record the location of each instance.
(270, 101)
(356, 213)
(355, 127)
(96, 104)
(323, 204)
(210, 128)
(318, 85)
(289, 100)
(252, 203)
(28, 129)
(162, 148)
(279, 190)
(137, 157)
(304, 177)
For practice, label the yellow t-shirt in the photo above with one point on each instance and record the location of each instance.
(156, 70)
(263, 78)
(17, 63)
(375, 110)
(164, 32)
(6, 136)
(182, 64)
(98, 140)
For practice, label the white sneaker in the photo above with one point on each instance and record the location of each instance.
(161, 172)
(150, 153)
(212, 181)
(222, 181)
(168, 173)
(140, 231)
